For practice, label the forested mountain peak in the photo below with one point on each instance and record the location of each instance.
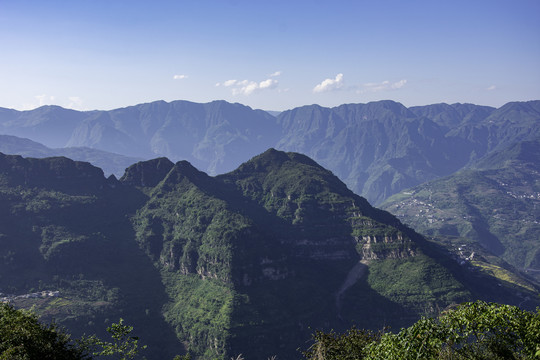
(221, 265)
(184, 170)
(56, 172)
(147, 173)
(272, 159)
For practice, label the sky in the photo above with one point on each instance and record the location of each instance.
(271, 55)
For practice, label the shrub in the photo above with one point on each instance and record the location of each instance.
(476, 330)
(22, 336)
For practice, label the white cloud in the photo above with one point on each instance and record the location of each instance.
(180, 77)
(75, 103)
(245, 87)
(398, 85)
(268, 84)
(44, 99)
(383, 86)
(248, 87)
(329, 84)
(491, 88)
(72, 102)
(277, 73)
(229, 82)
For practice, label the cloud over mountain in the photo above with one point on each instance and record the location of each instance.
(383, 86)
(329, 84)
(248, 87)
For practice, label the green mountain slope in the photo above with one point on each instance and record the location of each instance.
(496, 205)
(63, 229)
(246, 262)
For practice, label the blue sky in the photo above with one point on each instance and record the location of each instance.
(94, 54)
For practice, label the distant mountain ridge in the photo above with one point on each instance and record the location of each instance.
(378, 149)
(110, 163)
(451, 116)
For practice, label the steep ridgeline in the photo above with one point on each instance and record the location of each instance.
(214, 136)
(247, 262)
(381, 148)
(497, 205)
(110, 163)
(67, 248)
(266, 253)
(49, 125)
(377, 149)
(453, 116)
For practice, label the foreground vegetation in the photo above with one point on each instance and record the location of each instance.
(476, 330)
(24, 337)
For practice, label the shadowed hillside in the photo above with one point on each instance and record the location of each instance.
(246, 262)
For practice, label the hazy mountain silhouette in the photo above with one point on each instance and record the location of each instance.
(378, 149)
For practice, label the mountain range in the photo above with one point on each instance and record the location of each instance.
(248, 262)
(253, 260)
(377, 149)
(496, 204)
(110, 163)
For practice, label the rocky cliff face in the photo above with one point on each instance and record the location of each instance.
(261, 233)
(387, 247)
(148, 173)
(246, 262)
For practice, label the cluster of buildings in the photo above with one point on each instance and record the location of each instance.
(7, 298)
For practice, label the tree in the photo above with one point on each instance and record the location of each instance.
(123, 347)
(348, 346)
(477, 330)
(23, 337)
